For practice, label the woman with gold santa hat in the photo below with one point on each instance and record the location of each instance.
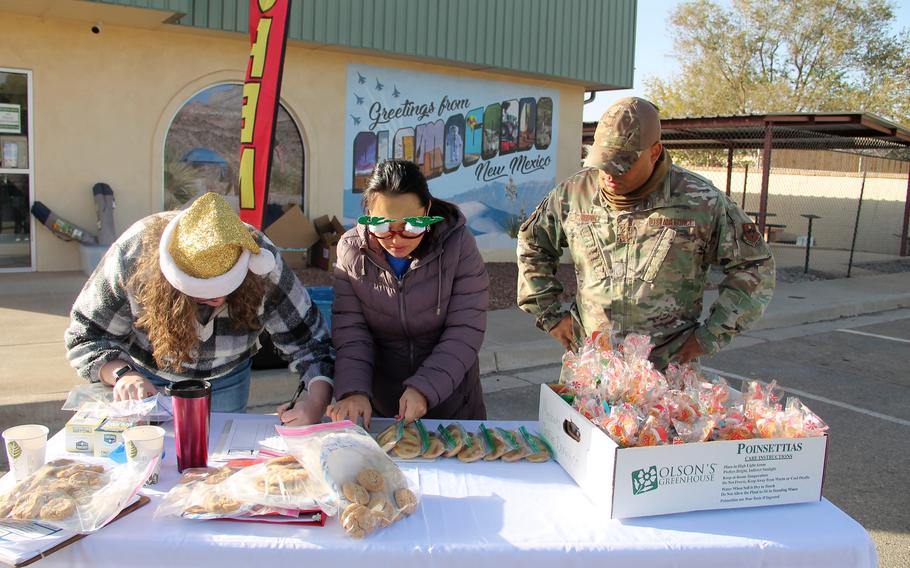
(185, 295)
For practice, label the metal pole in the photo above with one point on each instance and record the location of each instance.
(729, 168)
(765, 176)
(808, 246)
(810, 217)
(859, 207)
(903, 250)
(745, 185)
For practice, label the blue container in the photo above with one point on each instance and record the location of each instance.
(322, 296)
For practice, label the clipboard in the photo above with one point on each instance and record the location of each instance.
(139, 503)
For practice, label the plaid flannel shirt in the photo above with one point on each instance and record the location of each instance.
(103, 323)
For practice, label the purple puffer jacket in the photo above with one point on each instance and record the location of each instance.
(422, 331)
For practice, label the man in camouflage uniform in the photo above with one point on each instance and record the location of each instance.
(643, 234)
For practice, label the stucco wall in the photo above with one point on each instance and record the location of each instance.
(103, 104)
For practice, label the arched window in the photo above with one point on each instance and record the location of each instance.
(202, 152)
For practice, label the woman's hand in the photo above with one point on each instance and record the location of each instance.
(133, 386)
(412, 405)
(351, 408)
(304, 412)
(309, 408)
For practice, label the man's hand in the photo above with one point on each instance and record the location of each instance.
(351, 408)
(133, 386)
(564, 334)
(412, 405)
(310, 408)
(689, 351)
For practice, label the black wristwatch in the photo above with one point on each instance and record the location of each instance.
(118, 373)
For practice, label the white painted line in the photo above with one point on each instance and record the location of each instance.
(803, 394)
(853, 331)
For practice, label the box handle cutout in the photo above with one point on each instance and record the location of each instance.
(571, 430)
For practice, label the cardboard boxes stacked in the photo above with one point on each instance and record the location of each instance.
(657, 480)
(322, 253)
(303, 242)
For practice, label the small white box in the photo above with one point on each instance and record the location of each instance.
(80, 429)
(657, 480)
(109, 435)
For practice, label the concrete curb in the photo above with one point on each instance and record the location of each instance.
(831, 312)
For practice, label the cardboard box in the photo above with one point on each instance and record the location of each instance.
(323, 252)
(293, 233)
(637, 482)
(80, 429)
(109, 435)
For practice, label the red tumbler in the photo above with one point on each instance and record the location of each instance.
(192, 401)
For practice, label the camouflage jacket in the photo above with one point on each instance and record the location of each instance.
(645, 270)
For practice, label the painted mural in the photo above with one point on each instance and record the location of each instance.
(488, 146)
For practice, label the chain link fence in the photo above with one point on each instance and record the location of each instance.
(850, 192)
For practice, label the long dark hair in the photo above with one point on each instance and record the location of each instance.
(397, 177)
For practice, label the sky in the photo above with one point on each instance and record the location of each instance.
(654, 49)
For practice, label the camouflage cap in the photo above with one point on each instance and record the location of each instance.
(629, 126)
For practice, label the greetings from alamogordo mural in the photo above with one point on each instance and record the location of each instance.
(488, 146)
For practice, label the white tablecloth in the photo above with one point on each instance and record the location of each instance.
(487, 514)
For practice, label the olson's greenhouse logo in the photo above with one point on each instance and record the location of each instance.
(644, 480)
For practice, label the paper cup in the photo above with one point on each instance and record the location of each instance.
(25, 448)
(144, 443)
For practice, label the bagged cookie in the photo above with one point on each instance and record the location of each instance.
(453, 437)
(435, 447)
(351, 476)
(203, 494)
(474, 449)
(521, 450)
(540, 448)
(76, 495)
(388, 438)
(495, 445)
(277, 482)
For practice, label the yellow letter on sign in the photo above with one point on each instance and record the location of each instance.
(247, 193)
(248, 112)
(258, 50)
(266, 5)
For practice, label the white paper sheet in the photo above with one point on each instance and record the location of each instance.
(240, 438)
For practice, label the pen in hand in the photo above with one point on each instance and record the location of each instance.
(300, 389)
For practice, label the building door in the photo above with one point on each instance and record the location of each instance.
(16, 172)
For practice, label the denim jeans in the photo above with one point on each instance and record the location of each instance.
(230, 392)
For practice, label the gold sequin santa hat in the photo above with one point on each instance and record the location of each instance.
(206, 250)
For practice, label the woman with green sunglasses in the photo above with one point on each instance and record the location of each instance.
(409, 315)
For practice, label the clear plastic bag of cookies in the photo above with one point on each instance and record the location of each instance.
(203, 494)
(495, 443)
(76, 495)
(407, 442)
(540, 448)
(453, 438)
(277, 482)
(351, 476)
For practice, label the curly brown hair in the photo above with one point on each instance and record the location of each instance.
(168, 315)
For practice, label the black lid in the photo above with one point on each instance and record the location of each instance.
(195, 388)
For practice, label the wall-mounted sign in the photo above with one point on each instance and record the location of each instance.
(10, 119)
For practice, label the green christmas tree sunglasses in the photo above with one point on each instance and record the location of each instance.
(414, 227)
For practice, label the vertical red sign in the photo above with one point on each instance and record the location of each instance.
(268, 37)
